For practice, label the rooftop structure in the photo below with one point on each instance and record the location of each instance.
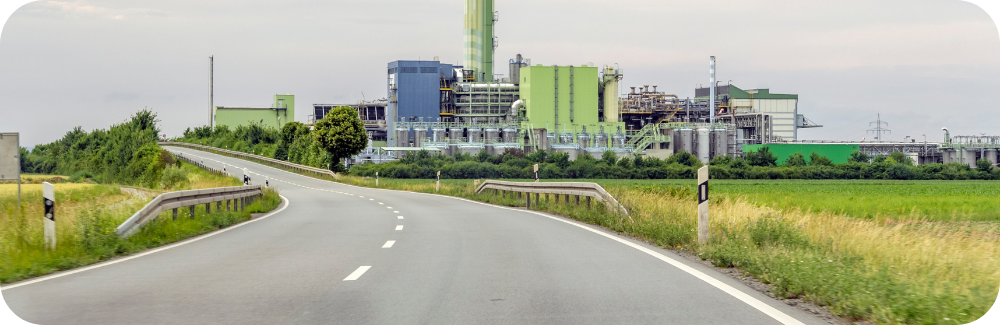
(281, 111)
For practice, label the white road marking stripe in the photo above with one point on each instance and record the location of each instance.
(399, 227)
(388, 244)
(371, 199)
(380, 203)
(357, 273)
(399, 217)
(116, 261)
(390, 208)
(395, 212)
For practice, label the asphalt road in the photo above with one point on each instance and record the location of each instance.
(349, 255)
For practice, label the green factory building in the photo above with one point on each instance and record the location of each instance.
(838, 153)
(281, 111)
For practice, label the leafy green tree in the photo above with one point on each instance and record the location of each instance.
(609, 158)
(560, 159)
(762, 157)
(816, 160)
(341, 134)
(684, 158)
(483, 156)
(984, 165)
(723, 160)
(901, 158)
(795, 160)
(859, 157)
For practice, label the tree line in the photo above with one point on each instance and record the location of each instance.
(125, 153)
(761, 164)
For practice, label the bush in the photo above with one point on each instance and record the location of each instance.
(174, 176)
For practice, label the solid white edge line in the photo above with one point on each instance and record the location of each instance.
(357, 273)
(154, 250)
(736, 293)
(389, 244)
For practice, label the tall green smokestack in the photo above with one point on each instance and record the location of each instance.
(479, 21)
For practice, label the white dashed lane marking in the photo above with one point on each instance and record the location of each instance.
(399, 227)
(399, 217)
(357, 273)
(388, 244)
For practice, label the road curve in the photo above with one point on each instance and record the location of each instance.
(351, 255)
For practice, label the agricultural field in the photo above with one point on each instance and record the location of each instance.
(897, 252)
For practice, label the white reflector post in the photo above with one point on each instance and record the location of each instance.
(703, 205)
(49, 193)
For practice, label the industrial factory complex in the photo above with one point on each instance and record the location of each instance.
(580, 110)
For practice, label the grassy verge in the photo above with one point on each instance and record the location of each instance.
(86, 218)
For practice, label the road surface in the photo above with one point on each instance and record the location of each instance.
(349, 255)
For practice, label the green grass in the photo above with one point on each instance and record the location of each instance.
(953, 201)
(86, 218)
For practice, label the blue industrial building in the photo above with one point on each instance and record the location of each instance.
(415, 91)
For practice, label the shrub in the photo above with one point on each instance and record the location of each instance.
(174, 176)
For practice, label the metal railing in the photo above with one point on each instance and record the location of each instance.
(576, 189)
(307, 170)
(239, 195)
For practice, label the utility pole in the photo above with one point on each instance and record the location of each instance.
(211, 91)
(878, 130)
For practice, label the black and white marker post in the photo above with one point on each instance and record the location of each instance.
(49, 193)
(376, 179)
(536, 173)
(437, 187)
(703, 205)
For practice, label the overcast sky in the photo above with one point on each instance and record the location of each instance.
(922, 64)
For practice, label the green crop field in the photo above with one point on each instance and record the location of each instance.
(868, 199)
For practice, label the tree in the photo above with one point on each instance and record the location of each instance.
(609, 158)
(684, 158)
(341, 133)
(795, 160)
(763, 157)
(984, 165)
(859, 157)
(901, 158)
(816, 160)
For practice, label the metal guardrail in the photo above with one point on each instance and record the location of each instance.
(255, 158)
(239, 195)
(577, 189)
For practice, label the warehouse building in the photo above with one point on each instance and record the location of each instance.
(281, 111)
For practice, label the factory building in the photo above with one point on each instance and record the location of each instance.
(576, 109)
(281, 111)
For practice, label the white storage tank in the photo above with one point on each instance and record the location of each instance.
(704, 145)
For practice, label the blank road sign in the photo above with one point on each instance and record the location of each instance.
(10, 162)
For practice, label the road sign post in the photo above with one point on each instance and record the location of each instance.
(703, 205)
(536, 173)
(49, 193)
(437, 187)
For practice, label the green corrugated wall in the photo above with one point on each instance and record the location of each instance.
(838, 153)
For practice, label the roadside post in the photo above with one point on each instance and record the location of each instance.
(703, 205)
(376, 179)
(49, 193)
(437, 187)
(536, 173)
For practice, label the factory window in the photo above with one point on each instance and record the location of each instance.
(392, 70)
(409, 70)
(428, 70)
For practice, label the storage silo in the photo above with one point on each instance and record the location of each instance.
(704, 145)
